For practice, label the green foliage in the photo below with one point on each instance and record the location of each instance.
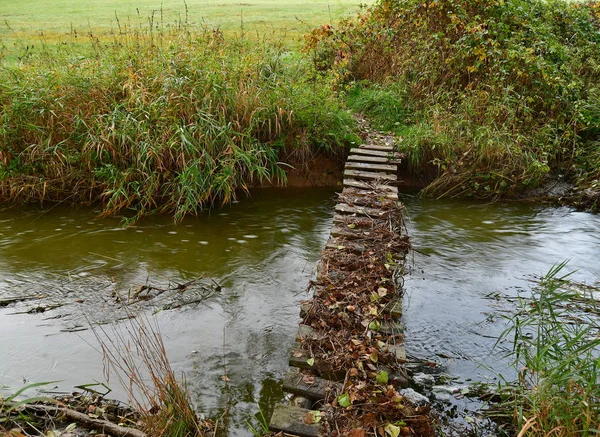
(12, 404)
(500, 92)
(383, 106)
(555, 350)
(262, 428)
(168, 124)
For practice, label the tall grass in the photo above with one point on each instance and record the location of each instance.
(136, 356)
(170, 121)
(556, 352)
(498, 93)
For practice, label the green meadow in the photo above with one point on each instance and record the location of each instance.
(60, 20)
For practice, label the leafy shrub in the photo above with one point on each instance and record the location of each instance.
(510, 86)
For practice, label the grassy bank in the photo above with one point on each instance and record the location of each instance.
(491, 97)
(170, 123)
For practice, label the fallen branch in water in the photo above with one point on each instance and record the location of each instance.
(84, 419)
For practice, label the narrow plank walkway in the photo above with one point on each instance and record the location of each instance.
(371, 169)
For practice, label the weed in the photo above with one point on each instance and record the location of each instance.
(169, 123)
(555, 351)
(10, 406)
(137, 357)
(262, 427)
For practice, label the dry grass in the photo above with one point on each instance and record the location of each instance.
(135, 354)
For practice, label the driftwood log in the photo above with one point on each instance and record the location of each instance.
(87, 421)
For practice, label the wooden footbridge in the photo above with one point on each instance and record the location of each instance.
(370, 173)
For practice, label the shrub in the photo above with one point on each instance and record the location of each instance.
(509, 86)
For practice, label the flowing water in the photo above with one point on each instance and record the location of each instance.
(262, 251)
(472, 259)
(71, 266)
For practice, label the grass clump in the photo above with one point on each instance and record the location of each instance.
(171, 123)
(137, 357)
(498, 93)
(556, 351)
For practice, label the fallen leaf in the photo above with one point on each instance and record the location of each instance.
(382, 377)
(308, 379)
(357, 432)
(392, 430)
(312, 417)
(310, 361)
(344, 400)
(375, 325)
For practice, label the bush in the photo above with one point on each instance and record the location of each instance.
(508, 88)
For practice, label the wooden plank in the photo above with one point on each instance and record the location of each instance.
(299, 358)
(399, 351)
(336, 244)
(359, 221)
(350, 234)
(306, 332)
(293, 420)
(392, 328)
(375, 147)
(365, 198)
(372, 166)
(381, 153)
(344, 232)
(356, 174)
(387, 191)
(311, 387)
(344, 208)
(368, 158)
(394, 308)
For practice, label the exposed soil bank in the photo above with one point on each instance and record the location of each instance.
(315, 170)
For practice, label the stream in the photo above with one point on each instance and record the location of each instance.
(262, 251)
(69, 265)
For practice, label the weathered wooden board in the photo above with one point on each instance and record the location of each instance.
(358, 222)
(374, 147)
(300, 359)
(344, 208)
(387, 191)
(306, 332)
(370, 175)
(336, 244)
(381, 153)
(392, 328)
(399, 351)
(357, 197)
(394, 308)
(372, 166)
(293, 420)
(350, 234)
(311, 387)
(379, 159)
